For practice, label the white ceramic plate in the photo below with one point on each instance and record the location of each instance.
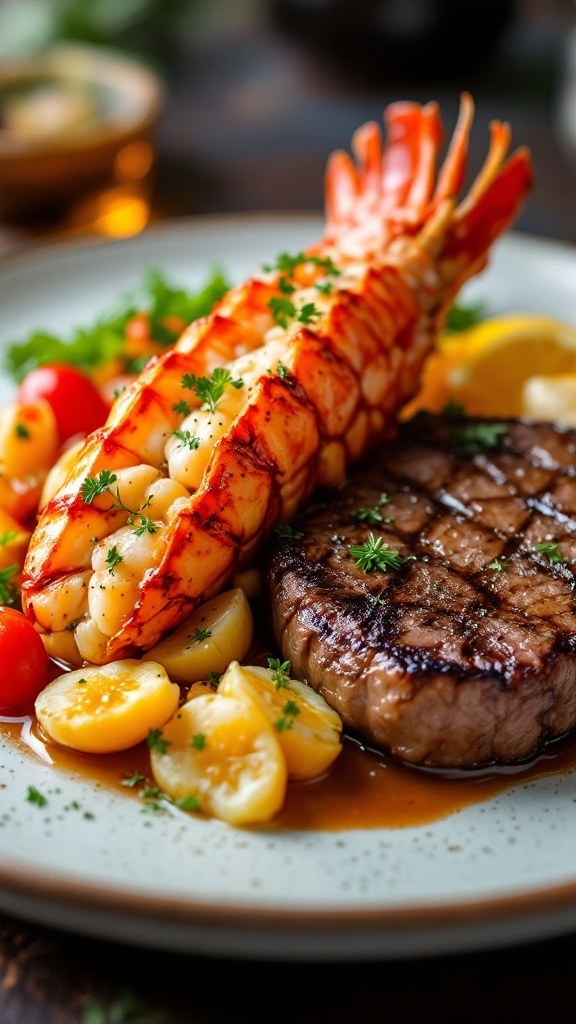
(495, 873)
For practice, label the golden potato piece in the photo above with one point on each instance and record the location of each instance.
(218, 631)
(308, 729)
(220, 755)
(102, 708)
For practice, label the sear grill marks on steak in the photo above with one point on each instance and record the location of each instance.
(465, 656)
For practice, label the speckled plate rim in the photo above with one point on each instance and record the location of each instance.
(236, 927)
(247, 932)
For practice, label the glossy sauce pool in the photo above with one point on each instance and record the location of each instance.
(363, 789)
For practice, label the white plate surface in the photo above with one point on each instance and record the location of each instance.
(495, 873)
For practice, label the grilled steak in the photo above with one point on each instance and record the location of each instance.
(463, 652)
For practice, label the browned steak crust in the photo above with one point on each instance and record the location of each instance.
(465, 655)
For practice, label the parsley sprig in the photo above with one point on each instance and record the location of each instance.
(375, 554)
(284, 311)
(373, 515)
(187, 439)
(93, 486)
(182, 408)
(280, 672)
(550, 550)
(475, 437)
(113, 558)
(210, 389)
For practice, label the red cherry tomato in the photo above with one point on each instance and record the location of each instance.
(23, 659)
(76, 402)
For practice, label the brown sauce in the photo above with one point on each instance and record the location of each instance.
(363, 789)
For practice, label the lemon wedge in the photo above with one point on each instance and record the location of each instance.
(484, 369)
(308, 729)
(219, 755)
(103, 708)
(551, 398)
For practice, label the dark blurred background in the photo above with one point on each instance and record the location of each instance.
(255, 94)
(258, 92)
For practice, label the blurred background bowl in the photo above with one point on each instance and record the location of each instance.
(72, 117)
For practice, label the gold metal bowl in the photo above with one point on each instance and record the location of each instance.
(89, 118)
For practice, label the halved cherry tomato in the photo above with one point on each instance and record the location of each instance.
(77, 404)
(23, 658)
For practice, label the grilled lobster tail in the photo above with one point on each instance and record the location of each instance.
(293, 377)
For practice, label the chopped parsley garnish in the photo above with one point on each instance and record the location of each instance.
(308, 313)
(498, 564)
(214, 679)
(453, 411)
(461, 317)
(152, 803)
(287, 264)
(8, 537)
(8, 589)
(373, 515)
(375, 554)
(280, 672)
(550, 550)
(92, 486)
(198, 741)
(188, 803)
(289, 712)
(368, 515)
(287, 530)
(187, 439)
(113, 558)
(182, 408)
(156, 741)
(151, 793)
(200, 635)
(210, 389)
(146, 525)
(22, 431)
(474, 437)
(283, 371)
(133, 780)
(34, 796)
(284, 310)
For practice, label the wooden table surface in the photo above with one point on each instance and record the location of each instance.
(251, 116)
